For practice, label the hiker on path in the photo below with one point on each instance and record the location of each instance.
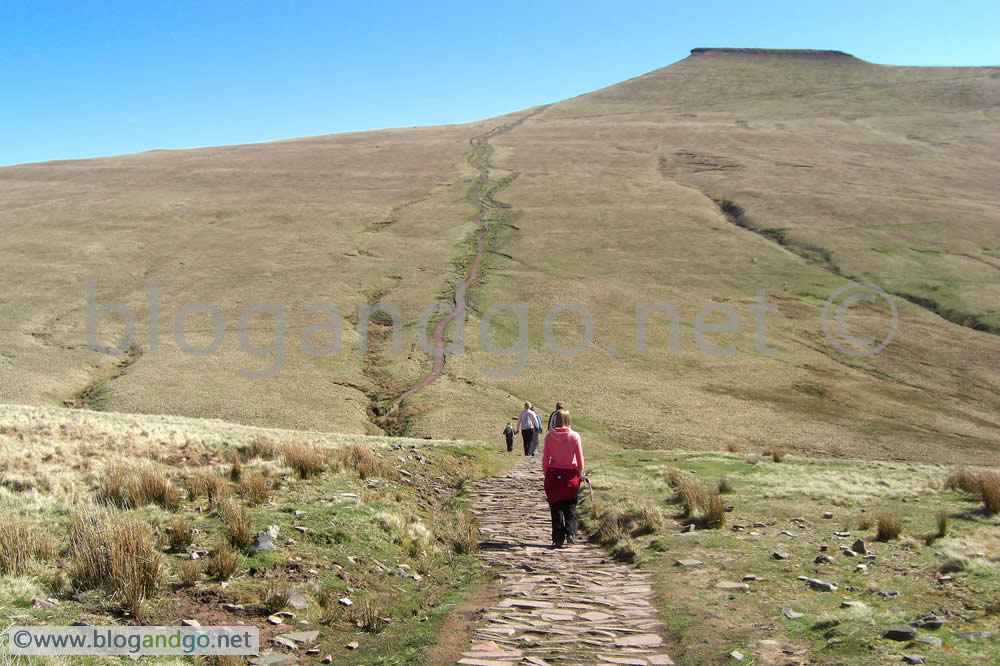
(562, 463)
(527, 423)
(508, 434)
(552, 417)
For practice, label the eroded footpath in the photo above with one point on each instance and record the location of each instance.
(572, 605)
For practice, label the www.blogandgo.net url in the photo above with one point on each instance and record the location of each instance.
(328, 329)
(133, 641)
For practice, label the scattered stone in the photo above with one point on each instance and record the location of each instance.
(929, 621)
(901, 632)
(760, 524)
(822, 585)
(823, 548)
(353, 645)
(286, 614)
(688, 528)
(272, 659)
(790, 614)
(190, 623)
(42, 603)
(261, 542)
(737, 655)
(945, 579)
(312, 652)
(780, 556)
(299, 514)
(415, 576)
(725, 585)
(301, 529)
(823, 559)
(345, 602)
(687, 563)
(284, 642)
(889, 594)
(828, 515)
(913, 658)
(847, 552)
(750, 577)
(971, 635)
(737, 527)
(328, 659)
(786, 533)
(297, 601)
(933, 641)
(272, 531)
(274, 619)
(193, 556)
(842, 534)
(861, 568)
(859, 546)
(302, 636)
(871, 556)
(859, 605)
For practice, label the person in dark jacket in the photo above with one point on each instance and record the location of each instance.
(508, 434)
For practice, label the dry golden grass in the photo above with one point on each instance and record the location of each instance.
(20, 544)
(361, 459)
(111, 551)
(961, 478)
(989, 489)
(127, 488)
(180, 533)
(236, 519)
(304, 458)
(887, 527)
(224, 563)
(715, 513)
(209, 484)
(263, 447)
(190, 572)
(255, 488)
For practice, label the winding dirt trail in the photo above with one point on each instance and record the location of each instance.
(573, 605)
(482, 196)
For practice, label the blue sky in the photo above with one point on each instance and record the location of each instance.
(81, 79)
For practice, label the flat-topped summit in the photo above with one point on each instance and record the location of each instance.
(808, 53)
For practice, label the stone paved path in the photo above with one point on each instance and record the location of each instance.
(573, 605)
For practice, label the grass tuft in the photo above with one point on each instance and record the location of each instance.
(989, 490)
(224, 564)
(255, 489)
(715, 514)
(115, 553)
(128, 489)
(362, 460)
(888, 527)
(263, 447)
(960, 478)
(236, 519)
(20, 544)
(275, 599)
(181, 534)
(304, 458)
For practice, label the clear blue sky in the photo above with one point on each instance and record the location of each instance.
(81, 79)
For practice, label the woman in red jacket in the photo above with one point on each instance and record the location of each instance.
(562, 463)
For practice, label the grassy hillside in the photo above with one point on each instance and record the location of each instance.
(842, 169)
(88, 498)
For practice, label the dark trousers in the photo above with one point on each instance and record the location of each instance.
(563, 520)
(528, 436)
(510, 443)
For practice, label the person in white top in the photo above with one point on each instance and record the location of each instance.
(527, 423)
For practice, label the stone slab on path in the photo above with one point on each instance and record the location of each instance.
(572, 605)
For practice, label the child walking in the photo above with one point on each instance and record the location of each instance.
(508, 434)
